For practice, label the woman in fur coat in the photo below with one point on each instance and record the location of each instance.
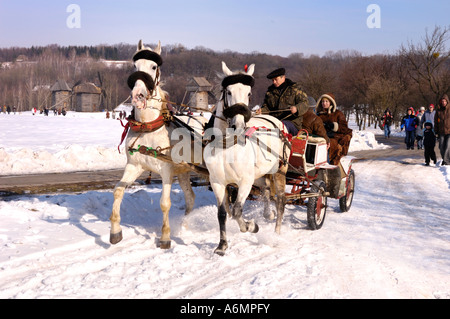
(336, 126)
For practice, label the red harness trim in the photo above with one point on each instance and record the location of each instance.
(253, 129)
(147, 126)
(140, 127)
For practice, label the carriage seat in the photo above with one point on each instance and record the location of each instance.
(316, 139)
(308, 152)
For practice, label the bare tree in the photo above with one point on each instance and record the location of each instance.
(427, 63)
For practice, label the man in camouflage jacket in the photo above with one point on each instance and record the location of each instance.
(286, 96)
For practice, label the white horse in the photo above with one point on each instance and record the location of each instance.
(252, 149)
(149, 128)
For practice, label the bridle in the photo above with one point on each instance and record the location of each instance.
(229, 111)
(145, 77)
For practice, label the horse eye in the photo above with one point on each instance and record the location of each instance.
(154, 67)
(250, 94)
(229, 92)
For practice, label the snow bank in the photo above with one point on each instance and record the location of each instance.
(48, 144)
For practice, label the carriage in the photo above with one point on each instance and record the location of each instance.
(266, 158)
(312, 178)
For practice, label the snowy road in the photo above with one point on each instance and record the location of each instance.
(393, 243)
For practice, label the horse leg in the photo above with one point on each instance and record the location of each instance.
(165, 204)
(131, 173)
(223, 207)
(280, 188)
(189, 196)
(244, 226)
(268, 213)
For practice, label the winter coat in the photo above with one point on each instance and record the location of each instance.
(282, 98)
(428, 117)
(442, 118)
(333, 118)
(387, 120)
(429, 138)
(314, 125)
(419, 128)
(337, 129)
(409, 123)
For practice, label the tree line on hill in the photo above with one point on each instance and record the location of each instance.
(416, 75)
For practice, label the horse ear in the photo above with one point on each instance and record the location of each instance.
(140, 46)
(158, 48)
(226, 70)
(251, 69)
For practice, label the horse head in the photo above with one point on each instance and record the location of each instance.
(144, 83)
(236, 93)
(147, 60)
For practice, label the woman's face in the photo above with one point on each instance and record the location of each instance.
(325, 103)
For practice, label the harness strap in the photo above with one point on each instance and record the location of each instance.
(285, 138)
(139, 127)
(147, 126)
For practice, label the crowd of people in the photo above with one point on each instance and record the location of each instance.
(121, 115)
(424, 128)
(8, 109)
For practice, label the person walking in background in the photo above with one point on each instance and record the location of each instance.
(428, 116)
(419, 129)
(429, 142)
(409, 123)
(387, 122)
(442, 128)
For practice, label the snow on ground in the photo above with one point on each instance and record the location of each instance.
(393, 243)
(47, 144)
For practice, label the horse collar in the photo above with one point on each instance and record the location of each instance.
(147, 126)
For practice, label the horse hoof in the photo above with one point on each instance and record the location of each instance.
(219, 252)
(164, 244)
(269, 216)
(115, 238)
(252, 227)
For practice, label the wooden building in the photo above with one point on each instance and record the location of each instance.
(198, 89)
(88, 98)
(61, 95)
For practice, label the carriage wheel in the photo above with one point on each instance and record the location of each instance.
(317, 207)
(346, 201)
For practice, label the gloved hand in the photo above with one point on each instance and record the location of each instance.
(328, 126)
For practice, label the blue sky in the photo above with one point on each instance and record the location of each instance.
(276, 27)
